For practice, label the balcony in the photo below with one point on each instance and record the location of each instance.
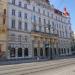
(44, 33)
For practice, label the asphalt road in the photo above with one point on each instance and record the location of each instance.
(55, 67)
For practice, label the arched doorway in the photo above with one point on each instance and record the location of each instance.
(47, 52)
(19, 52)
(55, 52)
(35, 52)
(41, 52)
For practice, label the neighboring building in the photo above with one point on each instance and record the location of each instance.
(73, 43)
(34, 28)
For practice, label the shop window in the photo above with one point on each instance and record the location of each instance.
(26, 52)
(12, 52)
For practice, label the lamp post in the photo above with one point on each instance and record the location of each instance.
(49, 46)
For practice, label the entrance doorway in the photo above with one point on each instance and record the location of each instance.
(41, 52)
(47, 52)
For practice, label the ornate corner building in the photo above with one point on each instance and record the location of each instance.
(33, 28)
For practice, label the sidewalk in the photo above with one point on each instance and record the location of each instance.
(19, 61)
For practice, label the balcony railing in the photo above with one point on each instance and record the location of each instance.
(44, 33)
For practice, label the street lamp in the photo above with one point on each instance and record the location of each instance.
(49, 46)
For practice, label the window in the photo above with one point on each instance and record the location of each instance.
(20, 4)
(4, 11)
(48, 14)
(26, 52)
(19, 52)
(13, 12)
(25, 6)
(51, 15)
(34, 9)
(12, 52)
(39, 20)
(44, 21)
(43, 12)
(19, 14)
(25, 15)
(19, 25)
(13, 2)
(26, 26)
(48, 22)
(34, 18)
(38, 10)
(45, 29)
(13, 24)
(40, 28)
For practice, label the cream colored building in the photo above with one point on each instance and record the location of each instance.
(34, 28)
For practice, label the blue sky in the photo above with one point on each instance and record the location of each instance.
(70, 5)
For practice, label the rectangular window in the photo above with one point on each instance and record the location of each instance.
(19, 14)
(48, 22)
(13, 2)
(25, 15)
(45, 29)
(34, 18)
(26, 27)
(34, 9)
(20, 25)
(43, 12)
(40, 28)
(25, 6)
(39, 20)
(44, 21)
(20, 4)
(38, 10)
(48, 14)
(13, 24)
(13, 12)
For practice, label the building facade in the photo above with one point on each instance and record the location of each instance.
(73, 43)
(34, 28)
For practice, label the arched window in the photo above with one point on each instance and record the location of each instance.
(19, 52)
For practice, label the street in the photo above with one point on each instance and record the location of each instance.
(64, 70)
(54, 67)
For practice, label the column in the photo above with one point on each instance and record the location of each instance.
(44, 52)
(23, 52)
(16, 52)
(49, 50)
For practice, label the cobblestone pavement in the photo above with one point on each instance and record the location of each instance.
(54, 67)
